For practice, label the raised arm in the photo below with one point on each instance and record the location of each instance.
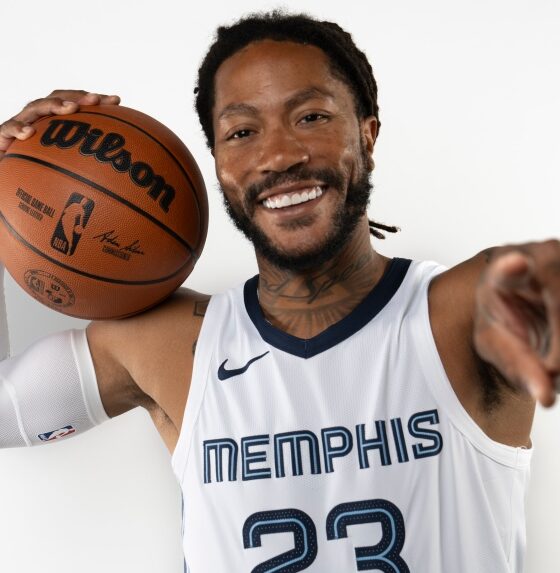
(71, 381)
(53, 389)
(496, 323)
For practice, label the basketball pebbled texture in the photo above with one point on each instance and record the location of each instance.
(103, 213)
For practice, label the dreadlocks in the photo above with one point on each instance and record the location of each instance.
(348, 63)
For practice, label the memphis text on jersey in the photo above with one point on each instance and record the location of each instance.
(108, 148)
(368, 443)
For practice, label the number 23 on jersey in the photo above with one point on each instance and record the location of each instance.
(383, 556)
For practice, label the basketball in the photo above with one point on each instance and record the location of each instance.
(103, 212)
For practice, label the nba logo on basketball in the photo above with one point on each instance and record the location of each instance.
(72, 223)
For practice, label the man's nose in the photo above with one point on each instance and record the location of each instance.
(281, 150)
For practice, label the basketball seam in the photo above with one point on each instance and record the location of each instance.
(107, 192)
(83, 273)
(178, 163)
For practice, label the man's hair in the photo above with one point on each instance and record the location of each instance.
(348, 63)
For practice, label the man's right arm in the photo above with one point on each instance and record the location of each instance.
(49, 391)
(144, 360)
(53, 389)
(71, 381)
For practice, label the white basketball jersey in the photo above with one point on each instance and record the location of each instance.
(346, 452)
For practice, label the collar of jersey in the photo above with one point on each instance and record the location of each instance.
(372, 304)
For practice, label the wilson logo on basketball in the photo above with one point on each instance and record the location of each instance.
(108, 148)
(72, 222)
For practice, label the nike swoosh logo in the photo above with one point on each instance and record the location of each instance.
(224, 373)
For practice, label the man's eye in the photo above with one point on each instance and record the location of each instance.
(310, 117)
(240, 134)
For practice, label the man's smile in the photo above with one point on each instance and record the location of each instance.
(282, 200)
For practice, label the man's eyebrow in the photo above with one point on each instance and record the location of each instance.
(234, 108)
(305, 95)
(298, 99)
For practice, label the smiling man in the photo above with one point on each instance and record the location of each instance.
(342, 411)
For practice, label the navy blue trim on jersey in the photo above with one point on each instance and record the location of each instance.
(374, 302)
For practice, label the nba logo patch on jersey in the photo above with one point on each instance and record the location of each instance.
(57, 434)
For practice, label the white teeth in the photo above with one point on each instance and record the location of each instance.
(280, 201)
(285, 201)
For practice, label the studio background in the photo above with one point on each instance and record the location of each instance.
(467, 158)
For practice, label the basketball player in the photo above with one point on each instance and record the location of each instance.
(337, 388)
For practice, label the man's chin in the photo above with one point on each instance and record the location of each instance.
(302, 256)
(298, 258)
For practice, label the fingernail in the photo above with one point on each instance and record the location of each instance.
(26, 128)
(67, 103)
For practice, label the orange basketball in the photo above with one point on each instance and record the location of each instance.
(104, 212)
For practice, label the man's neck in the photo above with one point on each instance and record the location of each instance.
(305, 304)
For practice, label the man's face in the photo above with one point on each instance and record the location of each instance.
(291, 155)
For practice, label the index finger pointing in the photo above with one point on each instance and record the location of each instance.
(510, 271)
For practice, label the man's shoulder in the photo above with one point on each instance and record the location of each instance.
(454, 288)
(154, 334)
(147, 359)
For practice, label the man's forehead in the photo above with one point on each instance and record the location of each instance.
(272, 56)
(302, 71)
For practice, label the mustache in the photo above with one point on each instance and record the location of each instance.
(326, 176)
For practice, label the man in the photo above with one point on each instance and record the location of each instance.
(339, 388)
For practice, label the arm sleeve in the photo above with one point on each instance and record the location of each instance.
(4, 338)
(49, 391)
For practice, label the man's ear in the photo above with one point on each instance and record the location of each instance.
(370, 127)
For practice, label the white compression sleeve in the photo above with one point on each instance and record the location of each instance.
(4, 336)
(49, 391)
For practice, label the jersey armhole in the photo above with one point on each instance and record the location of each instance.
(442, 390)
(202, 358)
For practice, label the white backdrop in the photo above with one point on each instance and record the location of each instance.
(467, 158)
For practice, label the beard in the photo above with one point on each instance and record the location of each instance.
(344, 220)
